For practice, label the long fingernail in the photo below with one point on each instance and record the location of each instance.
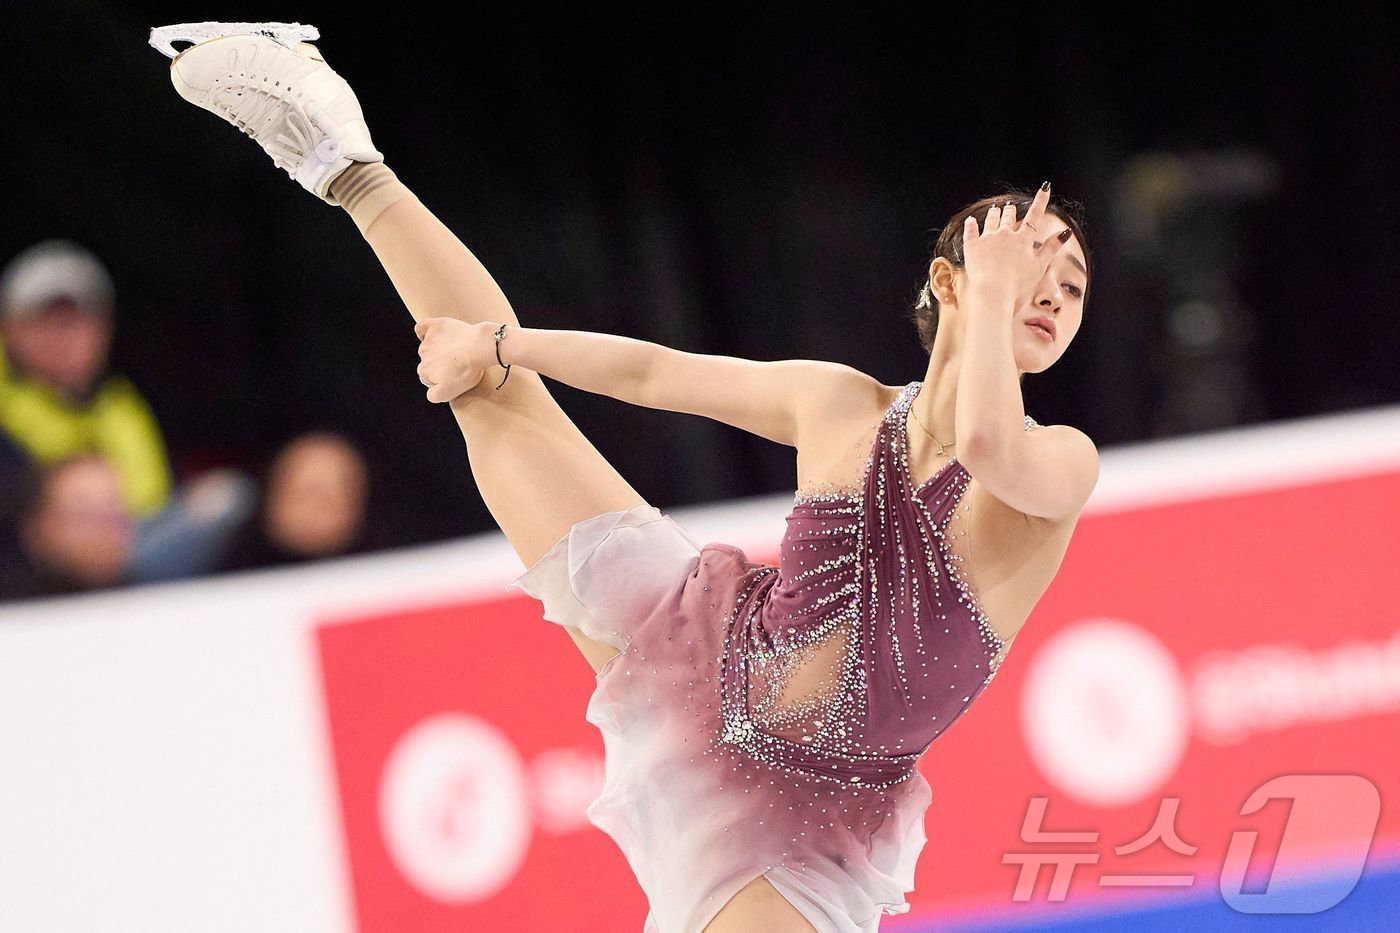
(1045, 186)
(1065, 234)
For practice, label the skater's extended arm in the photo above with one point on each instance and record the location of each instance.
(778, 400)
(770, 399)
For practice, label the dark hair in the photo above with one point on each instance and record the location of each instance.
(949, 245)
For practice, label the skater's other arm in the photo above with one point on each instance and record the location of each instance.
(769, 399)
(777, 400)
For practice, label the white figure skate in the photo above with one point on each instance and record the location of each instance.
(268, 81)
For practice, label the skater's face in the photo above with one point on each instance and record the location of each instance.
(62, 345)
(1057, 297)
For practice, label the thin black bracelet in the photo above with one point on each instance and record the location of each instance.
(501, 335)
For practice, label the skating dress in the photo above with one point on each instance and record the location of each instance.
(768, 720)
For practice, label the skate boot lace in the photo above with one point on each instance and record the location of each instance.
(280, 126)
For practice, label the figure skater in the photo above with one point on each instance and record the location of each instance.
(762, 724)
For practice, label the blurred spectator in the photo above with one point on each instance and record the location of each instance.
(69, 530)
(58, 400)
(190, 535)
(314, 505)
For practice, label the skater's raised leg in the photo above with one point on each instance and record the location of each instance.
(536, 471)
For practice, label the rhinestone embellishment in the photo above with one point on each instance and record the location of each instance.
(833, 659)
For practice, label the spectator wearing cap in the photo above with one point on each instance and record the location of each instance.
(57, 397)
(59, 401)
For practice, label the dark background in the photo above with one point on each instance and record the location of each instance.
(760, 182)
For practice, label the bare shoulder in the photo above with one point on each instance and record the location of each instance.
(1061, 451)
(836, 395)
(1083, 451)
(1084, 459)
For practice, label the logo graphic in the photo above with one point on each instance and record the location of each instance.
(1105, 712)
(1341, 810)
(452, 808)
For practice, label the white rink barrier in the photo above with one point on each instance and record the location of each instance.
(164, 758)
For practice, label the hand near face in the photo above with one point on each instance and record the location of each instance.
(1007, 254)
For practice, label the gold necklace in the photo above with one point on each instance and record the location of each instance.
(941, 452)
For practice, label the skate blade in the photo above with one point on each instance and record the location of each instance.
(288, 34)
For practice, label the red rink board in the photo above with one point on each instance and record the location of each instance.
(1264, 625)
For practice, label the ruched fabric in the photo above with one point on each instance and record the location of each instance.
(766, 719)
(694, 827)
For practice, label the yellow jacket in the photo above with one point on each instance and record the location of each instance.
(117, 423)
